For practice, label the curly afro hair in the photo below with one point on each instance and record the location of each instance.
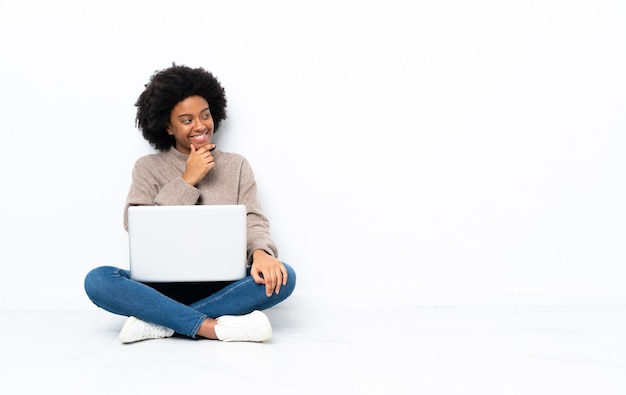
(165, 90)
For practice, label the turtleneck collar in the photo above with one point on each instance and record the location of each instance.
(173, 152)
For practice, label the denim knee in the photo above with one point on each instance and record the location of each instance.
(97, 281)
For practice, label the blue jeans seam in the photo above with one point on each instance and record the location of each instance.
(196, 327)
(221, 296)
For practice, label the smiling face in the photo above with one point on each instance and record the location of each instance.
(191, 123)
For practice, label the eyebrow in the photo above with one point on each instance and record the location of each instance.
(190, 115)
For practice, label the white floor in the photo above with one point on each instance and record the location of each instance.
(329, 349)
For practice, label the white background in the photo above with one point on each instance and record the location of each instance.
(437, 151)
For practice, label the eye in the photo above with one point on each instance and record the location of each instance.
(206, 115)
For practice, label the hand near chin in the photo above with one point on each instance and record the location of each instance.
(199, 163)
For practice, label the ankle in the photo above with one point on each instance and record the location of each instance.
(207, 329)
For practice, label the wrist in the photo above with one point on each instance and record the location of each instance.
(259, 252)
(189, 180)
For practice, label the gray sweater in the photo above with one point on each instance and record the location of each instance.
(157, 180)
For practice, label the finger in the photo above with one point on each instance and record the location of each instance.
(283, 270)
(280, 280)
(207, 148)
(278, 285)
(206, 158)
(207, 155)
(257, 279)
(270, 283)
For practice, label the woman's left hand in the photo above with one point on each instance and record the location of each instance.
(269, 271)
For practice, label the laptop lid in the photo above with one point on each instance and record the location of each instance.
(187, 243)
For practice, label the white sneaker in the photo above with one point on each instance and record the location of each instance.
(253, 327)
(135, 330)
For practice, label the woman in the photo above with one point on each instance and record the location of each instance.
(178, 113)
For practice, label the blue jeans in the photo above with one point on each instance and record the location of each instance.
(111, 289)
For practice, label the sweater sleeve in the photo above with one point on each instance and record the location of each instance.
(258, 224)
(151, 186)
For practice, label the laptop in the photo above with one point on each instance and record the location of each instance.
(187, 243)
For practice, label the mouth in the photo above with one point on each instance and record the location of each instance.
(200, 138)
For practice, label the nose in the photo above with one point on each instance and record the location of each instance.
(197, 124)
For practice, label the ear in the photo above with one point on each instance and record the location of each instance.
(169, 130)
